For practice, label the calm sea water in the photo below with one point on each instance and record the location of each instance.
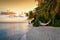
(12, 31)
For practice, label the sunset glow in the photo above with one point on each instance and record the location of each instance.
(17, 6)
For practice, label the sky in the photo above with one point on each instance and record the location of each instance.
(17, 5)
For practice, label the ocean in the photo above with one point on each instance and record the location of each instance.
(13, 30)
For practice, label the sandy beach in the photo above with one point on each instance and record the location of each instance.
(25, 31)
(43, 33)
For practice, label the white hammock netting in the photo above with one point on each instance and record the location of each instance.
(41, 23)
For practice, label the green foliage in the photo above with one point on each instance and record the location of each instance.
(46, 11)
(57, 23)
(43, 19)
(58, 14)
(57, 19)
(30, 15)
(36, 23)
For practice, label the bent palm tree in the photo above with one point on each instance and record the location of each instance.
(48, 9)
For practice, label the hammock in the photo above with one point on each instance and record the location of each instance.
(41, 23)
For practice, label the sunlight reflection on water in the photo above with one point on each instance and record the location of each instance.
(14, 28)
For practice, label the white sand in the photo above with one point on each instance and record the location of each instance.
(43, 33)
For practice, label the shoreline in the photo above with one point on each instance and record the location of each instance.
(43, 33)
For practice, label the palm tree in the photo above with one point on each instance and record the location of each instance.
(47, 9)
